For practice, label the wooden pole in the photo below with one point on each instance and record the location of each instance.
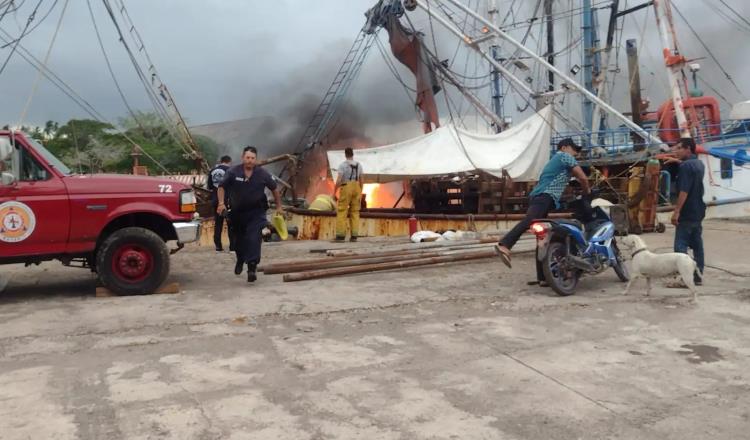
(326, 273)
(396, 253)
(330, 263)
(410, 246)
(635, 91)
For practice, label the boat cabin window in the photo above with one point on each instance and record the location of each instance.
(726, 168)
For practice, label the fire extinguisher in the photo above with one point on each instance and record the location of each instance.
(412, 225)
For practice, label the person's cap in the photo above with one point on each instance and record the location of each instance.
(568, 142)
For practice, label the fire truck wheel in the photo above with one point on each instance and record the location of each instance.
(133, 261)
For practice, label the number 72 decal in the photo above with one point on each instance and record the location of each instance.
(165, 188)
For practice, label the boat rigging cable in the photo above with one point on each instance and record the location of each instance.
(529, 92)
(161, 111)
(38, 79)
(737, 14)
(109, 67)
(17, 41)
(55, 79)
(7, 9)
(44, 17)
(163, 92)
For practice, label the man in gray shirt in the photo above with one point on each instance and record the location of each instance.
(350, 181)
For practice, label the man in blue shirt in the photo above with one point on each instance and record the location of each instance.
(215, 177)
(245, 185)
(546, 195)
(690, 209)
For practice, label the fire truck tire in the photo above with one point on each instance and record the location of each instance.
(133, 261)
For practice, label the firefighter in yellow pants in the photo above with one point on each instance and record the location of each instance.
(349, 180)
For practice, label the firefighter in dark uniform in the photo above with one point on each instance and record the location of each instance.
(215, 177)
(245, 186)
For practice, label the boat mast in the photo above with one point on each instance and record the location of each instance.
(550, 43)
(634, 80)
(600, 82)
(673, 61)
(498, 101)
(590, 60)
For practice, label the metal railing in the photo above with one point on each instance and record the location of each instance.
(621, 142)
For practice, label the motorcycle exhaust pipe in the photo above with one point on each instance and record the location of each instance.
(580, 263)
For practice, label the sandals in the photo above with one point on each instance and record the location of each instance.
(504, 255)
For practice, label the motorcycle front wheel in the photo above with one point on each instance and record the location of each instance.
(562, 279)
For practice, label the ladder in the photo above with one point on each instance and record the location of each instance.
(329, 105)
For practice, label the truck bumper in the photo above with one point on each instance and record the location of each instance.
(187, 232)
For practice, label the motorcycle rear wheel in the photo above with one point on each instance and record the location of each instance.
(561, 279)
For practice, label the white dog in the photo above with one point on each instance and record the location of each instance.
(649, 265)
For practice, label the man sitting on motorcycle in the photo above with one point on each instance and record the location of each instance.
(546, 195)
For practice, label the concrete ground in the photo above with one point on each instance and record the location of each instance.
(454, 352)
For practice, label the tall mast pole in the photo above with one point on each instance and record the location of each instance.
(550, 42)
(600, 82)
(674, 62)
(588, 61)
(497, 86)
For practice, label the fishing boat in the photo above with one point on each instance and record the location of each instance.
(461, 175)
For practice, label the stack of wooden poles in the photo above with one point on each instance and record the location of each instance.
(338, 262)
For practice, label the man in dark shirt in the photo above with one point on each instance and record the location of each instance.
(246, 187)
(690, 209)
(215, 177)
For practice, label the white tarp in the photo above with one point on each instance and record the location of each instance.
(741, 110)
(522, 151)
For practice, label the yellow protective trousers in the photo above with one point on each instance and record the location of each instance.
(350, 197)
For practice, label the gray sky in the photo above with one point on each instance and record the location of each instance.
(232, 59)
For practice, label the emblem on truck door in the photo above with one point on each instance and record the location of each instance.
(17, 222)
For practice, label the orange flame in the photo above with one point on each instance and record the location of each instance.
(369, 190)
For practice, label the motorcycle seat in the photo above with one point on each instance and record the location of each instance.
(592, 227)
(570, 222)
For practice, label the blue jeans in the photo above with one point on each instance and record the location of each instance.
(690, 235)
(539, 207)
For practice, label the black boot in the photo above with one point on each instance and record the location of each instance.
(251, 276)
(238, 267)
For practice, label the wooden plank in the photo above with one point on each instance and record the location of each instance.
(165, 289)
(325, 273)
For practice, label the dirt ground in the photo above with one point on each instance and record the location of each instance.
(464, 351)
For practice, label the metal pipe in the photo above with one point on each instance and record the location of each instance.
(326, 273)
(572, 83)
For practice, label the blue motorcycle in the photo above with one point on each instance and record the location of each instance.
(568, 249)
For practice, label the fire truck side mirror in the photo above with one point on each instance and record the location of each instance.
(7, 179)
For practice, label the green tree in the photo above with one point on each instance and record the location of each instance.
(163, 143)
